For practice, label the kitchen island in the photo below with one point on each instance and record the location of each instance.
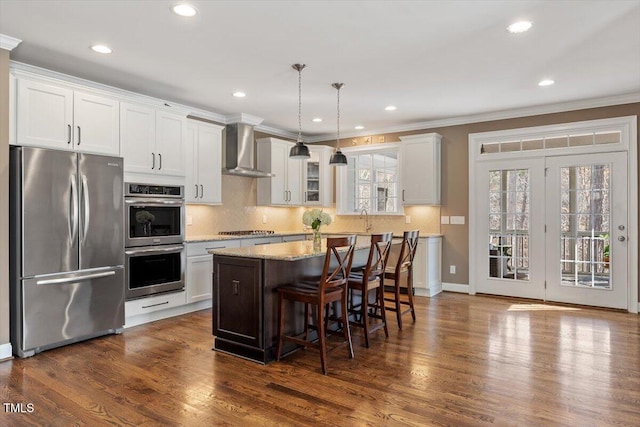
(245, 301)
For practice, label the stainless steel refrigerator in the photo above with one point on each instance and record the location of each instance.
(66, 248)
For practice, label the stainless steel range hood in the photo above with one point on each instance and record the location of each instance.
(239, 152)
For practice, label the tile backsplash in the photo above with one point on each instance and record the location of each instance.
(239, 212)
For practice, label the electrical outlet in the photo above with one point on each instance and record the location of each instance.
(189, 220)
(407, 219)
(452, 269)
(264, 219)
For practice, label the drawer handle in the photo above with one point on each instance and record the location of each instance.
(155, 305)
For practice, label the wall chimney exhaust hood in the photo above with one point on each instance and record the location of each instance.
(239, 146)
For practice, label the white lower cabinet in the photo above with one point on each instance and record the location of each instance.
(199, 284)
(145, 310)
(427, 271)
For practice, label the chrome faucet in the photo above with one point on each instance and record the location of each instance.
(367, 224)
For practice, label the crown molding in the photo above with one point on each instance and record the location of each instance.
(496, 115)
(277, 132)
(8, 43)
(244, 118)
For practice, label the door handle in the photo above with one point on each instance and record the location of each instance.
(196, 191)
(73, 201)
(87, 213)
(68, 134)
(621, 238)
(79, 135)
(75, 279)
(153, 160)
(160, 157)
(201, 191)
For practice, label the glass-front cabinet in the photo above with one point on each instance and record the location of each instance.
(316, 177)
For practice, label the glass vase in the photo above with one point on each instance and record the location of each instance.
(317, 239)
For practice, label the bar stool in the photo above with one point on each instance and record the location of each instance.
(403, 271)
(331, 288)
(371, 278)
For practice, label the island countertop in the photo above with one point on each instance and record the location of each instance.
(289, 251)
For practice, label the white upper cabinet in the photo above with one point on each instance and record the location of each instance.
(58, 117)
(420, 169)
(316, 177)
(153, 141)
(204, 164)
(285, 188)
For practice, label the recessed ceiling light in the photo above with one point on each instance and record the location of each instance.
(519, 27)
(317, 120)
(390, 107)
(100, 48)
(184, 10)
(358, 127)
(239, 94)
(546, 82)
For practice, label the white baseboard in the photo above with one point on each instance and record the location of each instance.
(6, 351)
(455, 287)
(141, 319)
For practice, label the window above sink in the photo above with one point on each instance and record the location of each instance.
(371, 181)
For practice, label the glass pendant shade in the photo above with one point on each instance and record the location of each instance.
(299, 151)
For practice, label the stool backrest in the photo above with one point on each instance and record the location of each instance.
(340, 250)
(407, 251)
(378, 255)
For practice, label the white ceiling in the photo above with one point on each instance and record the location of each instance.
(432, 59)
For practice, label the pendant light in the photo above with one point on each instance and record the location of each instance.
(337, 158)
(299, 151)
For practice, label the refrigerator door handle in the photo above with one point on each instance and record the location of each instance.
(87, 213)
(76, 278)
(73, 203)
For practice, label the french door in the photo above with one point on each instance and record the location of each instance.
(586, 238)
(554, 228)
(510, 238)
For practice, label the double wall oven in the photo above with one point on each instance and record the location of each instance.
(154, 241)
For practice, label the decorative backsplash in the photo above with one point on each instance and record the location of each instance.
(239, 212)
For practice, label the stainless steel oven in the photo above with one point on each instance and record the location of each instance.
(154, 239)
(154, 269)
(154, 214)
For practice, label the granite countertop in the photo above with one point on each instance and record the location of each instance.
(217, 237)
(290, 251)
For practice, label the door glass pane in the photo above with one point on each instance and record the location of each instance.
(584, 219)
(509, 195)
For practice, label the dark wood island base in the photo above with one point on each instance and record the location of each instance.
(245, 301)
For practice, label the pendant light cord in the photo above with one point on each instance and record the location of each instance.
(338, 132)
(299, 104)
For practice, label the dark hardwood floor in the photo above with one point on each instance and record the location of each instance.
(467, 361)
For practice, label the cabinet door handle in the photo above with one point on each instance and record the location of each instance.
(403, 195)
(196, 191)
(201, 191)
(153, 160)
(160, 157)
(305, 196)
(79, 135)
(68, 134)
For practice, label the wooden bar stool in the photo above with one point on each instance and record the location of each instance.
(403, 271)
(371, 278)
(331, 288)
